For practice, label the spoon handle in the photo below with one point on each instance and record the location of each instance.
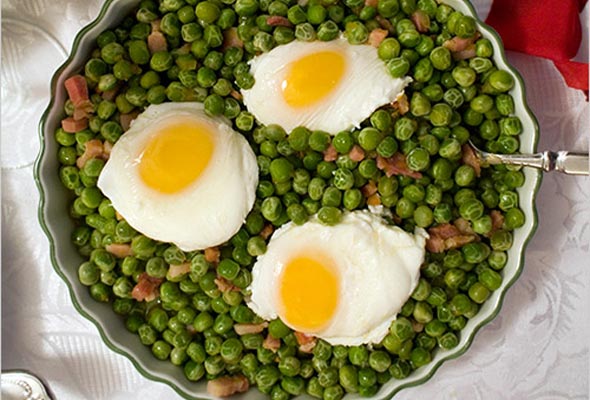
(561, 161)
(572, 163)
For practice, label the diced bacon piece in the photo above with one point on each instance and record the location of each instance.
(83, 110)
(435, 244)
(401, 104)
(376, 36)
(458, 44)
(244, 329)
(417, 326)
(369, 189)
(228, 385)
(236, 95)
(421, 20)
(184, 49)
(177, 270)
(356, 153)
(396, 165)
(225, 286)
(371, 3)
(458, 241)
(110, 95)
(77, 89)
(466, 54)
(119, 250)
(147, 288)
(212, 254)
(374, 200)
(267, 231)
(72, 125)
(271, 343)
(107, 147)
(231, 38)
(276, 20)
(157, 42)
(330, 154)
(156, 25)
(385, 23)
(444, 231)
(464, 226)
(497, 220)
(447, 236)
(127, 119)
(92, 149)
(468, 157)
(191, 329)
(306, 342)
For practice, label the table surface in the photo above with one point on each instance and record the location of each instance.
(537, 347)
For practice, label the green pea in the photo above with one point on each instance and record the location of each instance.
(88, 273)
(418, 159)
(405, 128)
(402, 329)
(271, 208)
(499, 81)
(352, 199)
(112, 52)
(296, 15)
(425, 46)
(331, 197)
(161, 350)
(333, 393)
(348, 375)
(305, 32)
(214, 365)
(319, 140)
(419, 105)
(409, 38)
(356, 32)
(423, 70)
(448, 341)
(267, 376)
(328, 30)
(398, 67)
(207, 11)
(379, 360)
(329, 215)
(316, 14)
(387, 8)
(389, 49)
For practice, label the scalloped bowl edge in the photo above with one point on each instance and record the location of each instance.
(54, 220)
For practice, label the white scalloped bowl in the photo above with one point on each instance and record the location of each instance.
(57, 225)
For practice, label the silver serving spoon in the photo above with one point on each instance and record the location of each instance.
(562, 161)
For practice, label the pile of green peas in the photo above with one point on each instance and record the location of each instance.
(450, 101)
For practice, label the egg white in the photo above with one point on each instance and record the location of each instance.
(206, 213)
(366, 86)
(378, 266)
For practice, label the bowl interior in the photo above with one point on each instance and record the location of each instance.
(53, 215)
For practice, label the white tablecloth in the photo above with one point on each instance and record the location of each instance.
(537, 348)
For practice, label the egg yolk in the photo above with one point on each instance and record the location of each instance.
(176, 156)
(311, 78)
(309, 292)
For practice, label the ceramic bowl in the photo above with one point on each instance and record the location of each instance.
(53, 215)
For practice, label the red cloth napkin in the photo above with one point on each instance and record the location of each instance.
(548, 28)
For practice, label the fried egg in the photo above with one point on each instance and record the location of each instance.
(344, 283)
(180, 176)
(330, 86)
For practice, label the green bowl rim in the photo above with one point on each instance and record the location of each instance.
(455, 353)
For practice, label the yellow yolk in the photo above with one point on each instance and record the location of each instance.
(176, 156)
(312, 77)
(309, 293)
